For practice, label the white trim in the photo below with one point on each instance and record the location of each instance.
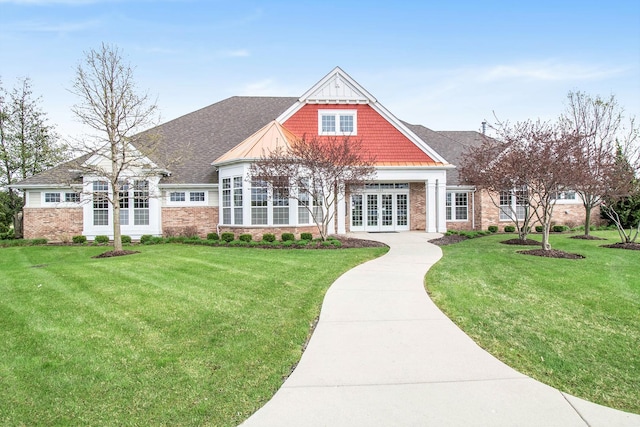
(187, 198)
(337, 114)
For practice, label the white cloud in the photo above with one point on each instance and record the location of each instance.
(546, 71)
(238, 53)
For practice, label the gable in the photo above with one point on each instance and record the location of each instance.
(381, 138)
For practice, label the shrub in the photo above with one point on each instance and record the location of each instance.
(268, 237)
(509, 228)
(326, 243)
(493, 229)
(227, 237)
(559, 228)
(156, 240)
(539, 228)
(79, 239)
(126, 239)
(8, 235)
(39, 241)
(337, 243)
(287, 237)
(245, 237)
(101, 239)
(287, 243)
(146, 238)
(306, 236)
(213, 236)
(303, 242)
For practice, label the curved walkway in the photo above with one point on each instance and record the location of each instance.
(383, 354)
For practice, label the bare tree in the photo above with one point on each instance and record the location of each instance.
(112, 107)
(315, 172)
(599, 122)
(28, 144)
(532, 157)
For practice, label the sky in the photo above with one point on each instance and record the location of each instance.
(447, 65)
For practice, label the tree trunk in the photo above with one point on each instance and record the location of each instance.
(18, 226)
(545, 236)
(117, 236)
(587, 220)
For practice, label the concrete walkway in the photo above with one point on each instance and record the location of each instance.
(383, 354)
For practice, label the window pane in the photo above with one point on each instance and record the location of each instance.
(177, 196)
(346, 124)
(402, 211)
(356, 210)
(226, 215)
(124, 217)
(259, 216)
(196, 196)
(72, 197)
(281, 215)
(141, 216)
(328, 123)
(52, 197)
(237, 215)
(100, 217)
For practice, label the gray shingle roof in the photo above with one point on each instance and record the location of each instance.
(449, 144)
(187, 145)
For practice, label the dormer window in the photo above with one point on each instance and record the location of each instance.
(337, 122)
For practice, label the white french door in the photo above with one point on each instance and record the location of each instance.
(383, 211)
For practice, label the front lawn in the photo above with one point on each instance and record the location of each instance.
(572, 324)
(175, 335)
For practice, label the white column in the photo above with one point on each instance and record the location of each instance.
(342, 214)
(431, 203)
(441, 203)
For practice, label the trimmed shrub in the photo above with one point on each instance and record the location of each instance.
(213, 236)
(493, 229)
(245, 237)
(268, 237)
(539, 228)
(509, 228)
(559, 228)
(337, 243)
(306, 236)
(101, 240)
(303, 242)
(227, 237)
(146, 238)
(287, 237)
(287, 243)
(126, 239)
(79, 239)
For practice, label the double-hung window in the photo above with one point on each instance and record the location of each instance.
(513, 205)
(237, 200)
(123, 199)
(281, 202)
(231, 200)
(259, 203)
(100, 203)
(337, 122)
(141, 202)
(457, 206)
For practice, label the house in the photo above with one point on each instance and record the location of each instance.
(195, 181)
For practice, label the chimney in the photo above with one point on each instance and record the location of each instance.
(484, 127)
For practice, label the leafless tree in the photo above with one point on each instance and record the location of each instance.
(599, 122)
(315, 171)
(112, 107)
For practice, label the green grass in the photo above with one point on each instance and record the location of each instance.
(572, 324)
(175, 335)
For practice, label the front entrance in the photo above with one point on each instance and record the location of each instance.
(382, 207)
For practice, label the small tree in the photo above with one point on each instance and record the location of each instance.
(28, 144)
(598, 121)
(315, 172)
(111, 106)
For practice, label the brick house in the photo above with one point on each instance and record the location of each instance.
(416, 185)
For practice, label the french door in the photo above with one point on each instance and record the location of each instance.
(380, 212)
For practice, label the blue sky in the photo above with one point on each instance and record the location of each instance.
(446, 65)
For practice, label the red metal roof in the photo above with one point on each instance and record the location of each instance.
(383, 140)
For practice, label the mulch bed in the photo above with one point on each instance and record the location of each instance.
(619, 245)
(528, 242)
(110, 254)
(448, 240)
(346, 243)
(583, 237)
(551, 253)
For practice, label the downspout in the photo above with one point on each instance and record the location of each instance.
(473, 209)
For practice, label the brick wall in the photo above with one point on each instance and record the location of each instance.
(418, 209)
(257, 232)
(53, 224)
(177, 220)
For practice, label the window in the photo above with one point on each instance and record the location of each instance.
(457, 207)
(52, 197)
(141, 202)
(259, 203)
(100, 203)
(237, 200)
(72, 197)
(226, 200)
(177, 196)
(565, 195)
(356, 210)
(513, 205)
(196, 196)
(123, 200)
(281, 202)
(337, 122)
